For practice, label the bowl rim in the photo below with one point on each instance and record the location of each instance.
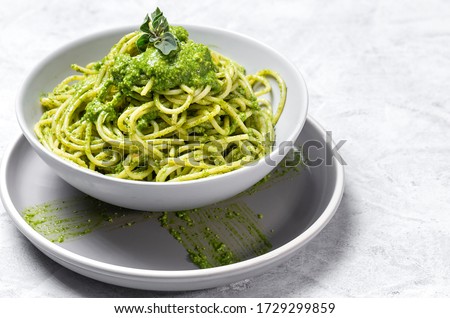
(30, 136)
(170, 277)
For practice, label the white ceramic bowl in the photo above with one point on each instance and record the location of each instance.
(156, 196)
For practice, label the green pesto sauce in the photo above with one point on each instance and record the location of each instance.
(218, 235)
(180, 33)
(192, 65)
(212, 236)
(292, 164)
(95, 107)
(59, 221)
(144, 121)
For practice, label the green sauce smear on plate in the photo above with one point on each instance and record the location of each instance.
(220, 234)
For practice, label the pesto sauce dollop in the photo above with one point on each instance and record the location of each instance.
(191, 65)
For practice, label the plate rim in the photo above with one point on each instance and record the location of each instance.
(165, 279)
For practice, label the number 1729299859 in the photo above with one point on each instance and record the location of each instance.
(294, 308)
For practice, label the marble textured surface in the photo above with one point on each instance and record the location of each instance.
(378, 74)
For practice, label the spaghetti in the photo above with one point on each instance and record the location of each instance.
(145, 116)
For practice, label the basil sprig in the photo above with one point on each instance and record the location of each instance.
(156, 31)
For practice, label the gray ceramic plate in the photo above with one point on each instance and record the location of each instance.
(255, 230)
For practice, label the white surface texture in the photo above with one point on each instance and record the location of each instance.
(378, 74)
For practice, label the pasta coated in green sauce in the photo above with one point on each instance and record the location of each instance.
(154, 117)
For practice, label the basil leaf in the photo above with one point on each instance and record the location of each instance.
(156, 30)
(161, 25)
(145, 27)
(153, 36)
(170, 38)
(142, 42)
(168, 43)
(156, 14)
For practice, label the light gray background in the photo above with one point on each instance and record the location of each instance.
(378, 74)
